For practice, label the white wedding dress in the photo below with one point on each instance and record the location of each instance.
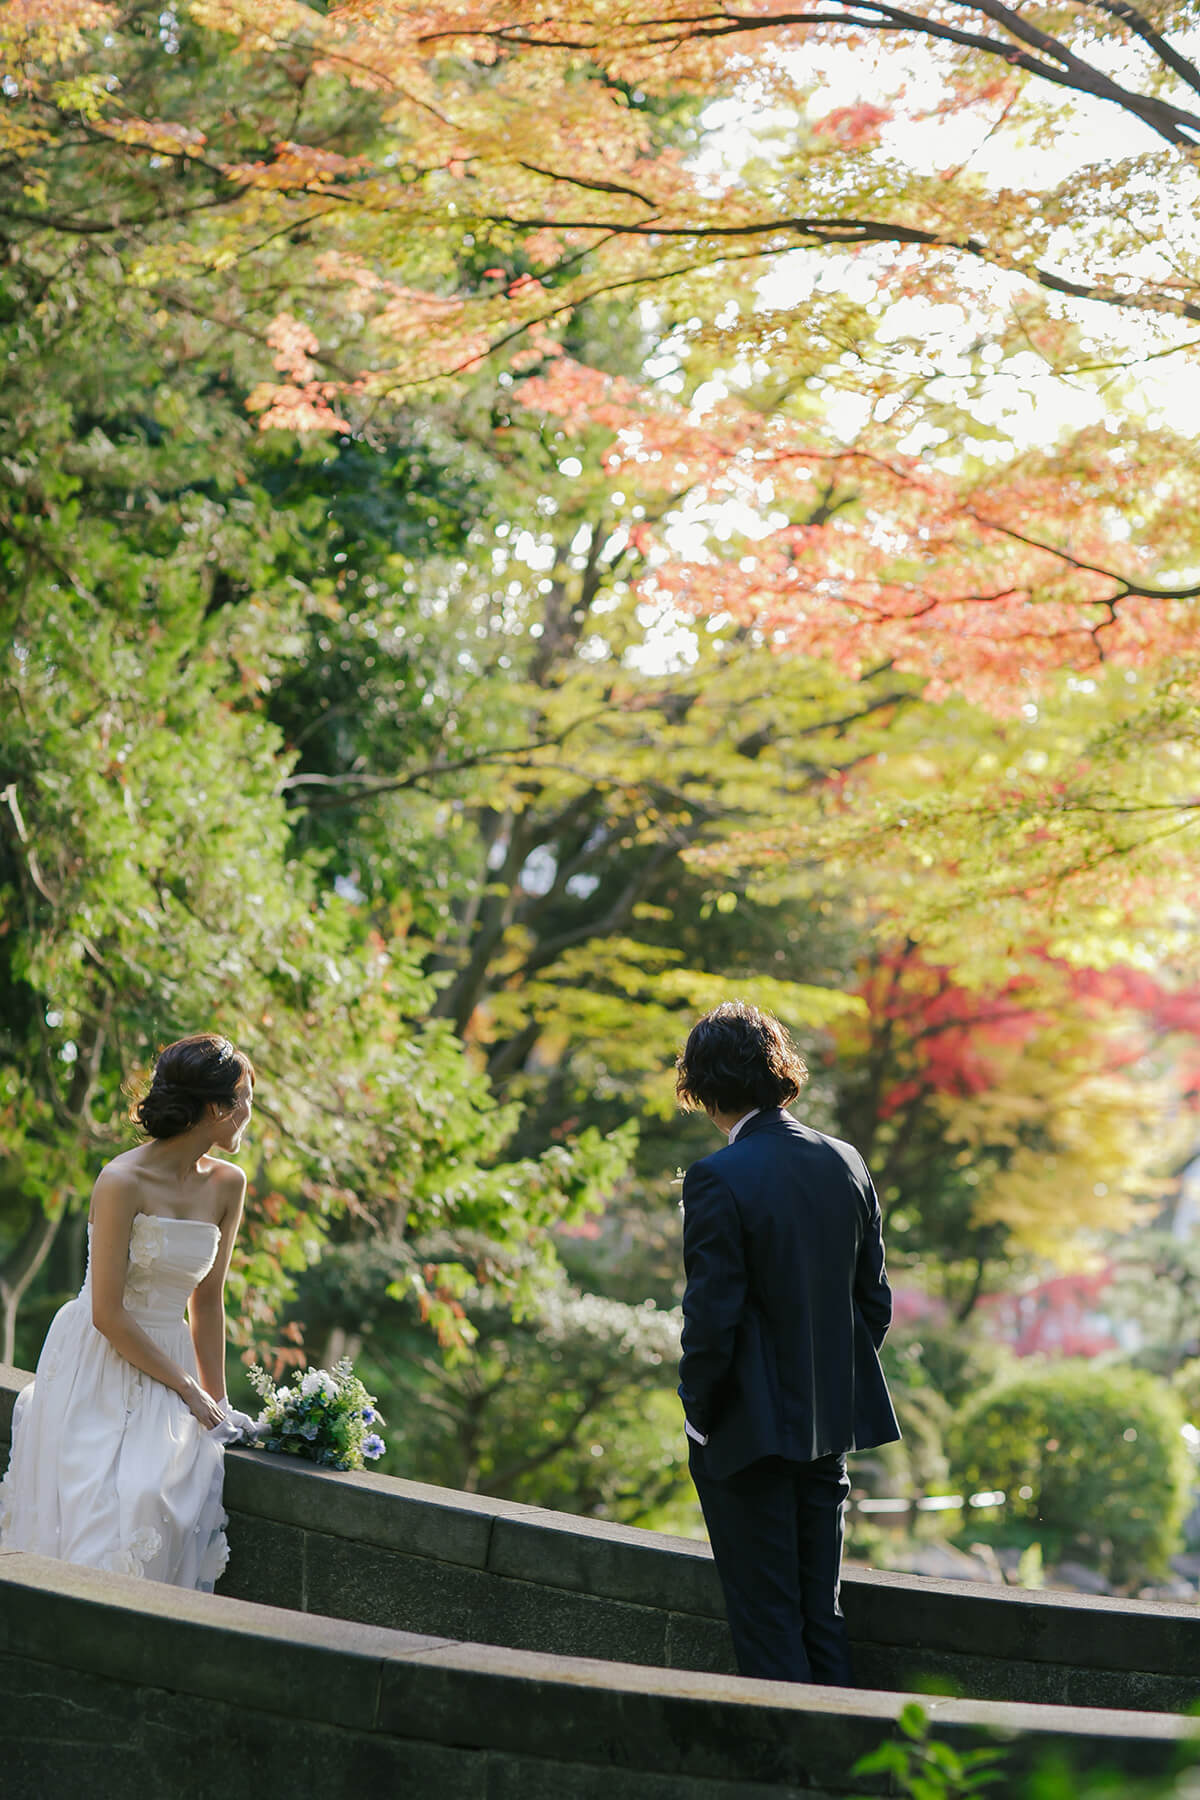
(108, 1466)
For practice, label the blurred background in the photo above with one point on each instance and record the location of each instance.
(509, 537)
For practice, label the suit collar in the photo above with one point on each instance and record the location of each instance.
(771, 1118)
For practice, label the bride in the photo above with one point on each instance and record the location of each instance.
(118, 1444)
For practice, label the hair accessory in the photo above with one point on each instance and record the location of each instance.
(224, 1051)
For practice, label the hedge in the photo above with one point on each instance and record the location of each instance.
(1093, 1456)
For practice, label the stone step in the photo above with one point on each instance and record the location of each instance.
(112, 1686)
(544, 1654)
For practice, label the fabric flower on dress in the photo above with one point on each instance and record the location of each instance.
(134, 1557)
(146, 1242)
(145, 1544)
(213, 1556)
(142, 1548)
(120, 1562)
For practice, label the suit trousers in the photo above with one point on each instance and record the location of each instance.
(776, 1533)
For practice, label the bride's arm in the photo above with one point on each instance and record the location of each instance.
(206, 1308)
(114, 1204)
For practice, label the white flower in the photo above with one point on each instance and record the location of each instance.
(318, 1382)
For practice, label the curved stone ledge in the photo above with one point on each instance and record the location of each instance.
(111, 1686)
(442, 1564)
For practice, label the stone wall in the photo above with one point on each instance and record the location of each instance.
(113, 1687)
(435, 1561)
(405, 1632)
(429, 1559)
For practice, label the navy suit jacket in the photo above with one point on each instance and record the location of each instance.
(787, 1302)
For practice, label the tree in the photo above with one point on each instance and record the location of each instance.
(156, 600)
(567, 1404)
(920, 538)
(1156, 1289)
(148, 882)
(207, 592)
(1014, 1118)
(577, 662)
(583, 175)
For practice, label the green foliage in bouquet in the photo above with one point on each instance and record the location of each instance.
(326, 1416)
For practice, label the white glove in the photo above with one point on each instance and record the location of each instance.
(235, 1427)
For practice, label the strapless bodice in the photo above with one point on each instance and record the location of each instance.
(167, 1257)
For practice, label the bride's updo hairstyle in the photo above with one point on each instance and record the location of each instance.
(198, 1071)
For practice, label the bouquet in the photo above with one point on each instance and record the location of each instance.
(324, 1416)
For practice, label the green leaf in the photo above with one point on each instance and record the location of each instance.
(913, 1721)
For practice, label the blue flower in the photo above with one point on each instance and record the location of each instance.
(368, 1415)
(373, 1447)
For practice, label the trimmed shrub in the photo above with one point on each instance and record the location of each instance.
(1099, 1455)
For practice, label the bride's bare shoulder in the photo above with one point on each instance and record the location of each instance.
(124, 1163)
(124, 1169)
(119, 1184)
(223, 1170)
(227, 1174)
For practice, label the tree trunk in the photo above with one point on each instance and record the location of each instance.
(17, 1273)
(339, 1343)
(19, 1269)
(974, 1293)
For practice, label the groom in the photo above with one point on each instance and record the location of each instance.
(785, 1309)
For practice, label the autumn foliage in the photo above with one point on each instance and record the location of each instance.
(715, 452)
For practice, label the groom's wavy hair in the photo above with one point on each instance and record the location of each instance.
(737, 1058)
(190, 1074)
